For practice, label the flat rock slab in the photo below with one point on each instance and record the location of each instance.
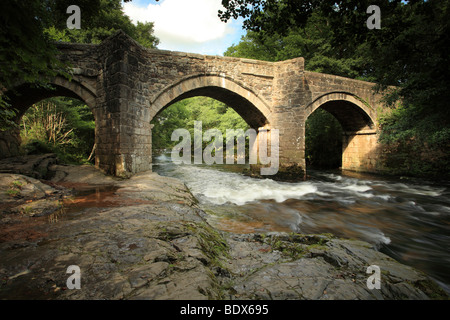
(319, 267)
(14, 187)
(154, 243)
(35, 166)
(83, 174)
(150, 250)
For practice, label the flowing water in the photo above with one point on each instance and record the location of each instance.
(408, 221)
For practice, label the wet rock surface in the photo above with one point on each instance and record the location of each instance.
(147, 249)
(35, 166)
(294, 266)
(151, 241)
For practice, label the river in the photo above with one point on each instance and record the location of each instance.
(405, 219)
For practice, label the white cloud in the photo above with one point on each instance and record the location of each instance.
(186, 25)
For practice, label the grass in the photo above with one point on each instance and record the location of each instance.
(14, 188)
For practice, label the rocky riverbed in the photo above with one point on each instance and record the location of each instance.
(147, 238)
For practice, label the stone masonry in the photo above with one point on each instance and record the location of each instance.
(126, 85)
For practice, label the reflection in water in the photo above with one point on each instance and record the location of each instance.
(107, 196)
(408, 221)
(91, 197)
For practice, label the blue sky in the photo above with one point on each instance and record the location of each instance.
(187, 25)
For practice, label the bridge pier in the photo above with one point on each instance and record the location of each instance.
(360, 151)
(289, 97)
(123, 129)
(124, 143)
(271, 164)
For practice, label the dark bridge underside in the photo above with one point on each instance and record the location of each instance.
(351, 117)
(243, 107)
(25, 96)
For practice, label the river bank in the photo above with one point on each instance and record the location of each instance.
(147, 238)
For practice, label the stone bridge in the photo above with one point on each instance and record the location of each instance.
(126, 85)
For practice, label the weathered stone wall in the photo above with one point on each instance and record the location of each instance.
(360, 152)
(126, 85)
(125, 133)
(288, 100)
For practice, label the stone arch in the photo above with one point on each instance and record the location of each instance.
(358, 121)
(81, 89)
(352, 112)
(24, 95)
(253, 109)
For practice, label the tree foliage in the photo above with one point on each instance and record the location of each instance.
(26, 54)
(410, 52)
(99, 20)
(28, 31)
(312, 42)
(29, 28)
(174, 117)
(323, 141)
(61, 125)
(212, 113)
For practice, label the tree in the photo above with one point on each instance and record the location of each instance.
(323, 141)
(28, 30)
(171, 118)
(100, 19)
(410, 52)
(61, 125)
(313, 42)
(26, 54)
(213, 114)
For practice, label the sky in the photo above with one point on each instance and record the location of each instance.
(187, 25)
